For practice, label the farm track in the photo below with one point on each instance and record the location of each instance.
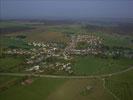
(66, 77)
(74, 77)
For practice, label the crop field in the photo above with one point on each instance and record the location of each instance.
(56, 33)
(67, 29)
(121, 85)
(49, 37)
(13, 42)
(9, 64)
(60, 32)
(5, 79)
(90, 65)
(39, 89)
(70, 90)
(10, 27)
(59, 89)
(109, 39)
(116, 40)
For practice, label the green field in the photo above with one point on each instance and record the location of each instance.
(108, 39)
(68, 89)
(38, 90)
(90, 65)
(13, 26)
(9, 64)
(6, 79)
(57, 89)
(13, 42)
(121, 85)
(40, 33)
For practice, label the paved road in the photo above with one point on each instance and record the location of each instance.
(66, 77)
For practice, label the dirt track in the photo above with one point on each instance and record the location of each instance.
(66, 77)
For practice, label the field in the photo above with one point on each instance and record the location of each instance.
(59, 89)
(64, 89)
(70, 90)
(61, 33)
(6, 79)
(116, 39)
(7, 27)
(13, 42)
(121, 85)
(17, 35)
(49, 37)
(39, 89)
(10, 64)
(90, 65)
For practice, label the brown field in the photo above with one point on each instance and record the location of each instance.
(48, 37)
(72, 90)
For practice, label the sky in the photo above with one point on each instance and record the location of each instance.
(43, 9)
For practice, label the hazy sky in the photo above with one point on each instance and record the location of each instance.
(66, 8)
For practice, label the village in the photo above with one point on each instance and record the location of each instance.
(49, 57)
(66, 50)
(44, 56)
(84, 45)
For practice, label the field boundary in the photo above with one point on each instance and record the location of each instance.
(66, 77)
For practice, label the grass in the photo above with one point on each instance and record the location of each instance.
(90, 65)
(56, 89)
(5, 79)
(115, 40)
(10, 63)
(68, 29)
(49, 37)
(108, 39)
(13, 42)
(38, 90)
(121, 85)
(12, 25)
(7, 24)
(58, 33)
(71, 90)
(82, 45)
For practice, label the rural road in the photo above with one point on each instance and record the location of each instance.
(66, 77)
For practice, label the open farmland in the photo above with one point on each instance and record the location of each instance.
(59, 89)
(116, 39)
(6, 79)
(66, 49)
(71, 90)
(10, 64)
(91, 65)
(49, 37)
(39, 89)
(64, 62)
(11, 27)
(121, 85)
(13, 42)
(63, 31)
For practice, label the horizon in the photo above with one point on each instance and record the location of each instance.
(74, 9)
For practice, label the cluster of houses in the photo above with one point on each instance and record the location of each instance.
(40, 53)
(90, 39)
(119, 52)
(18, 52)
(66, 67)
(94, 45)
(37, 44)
